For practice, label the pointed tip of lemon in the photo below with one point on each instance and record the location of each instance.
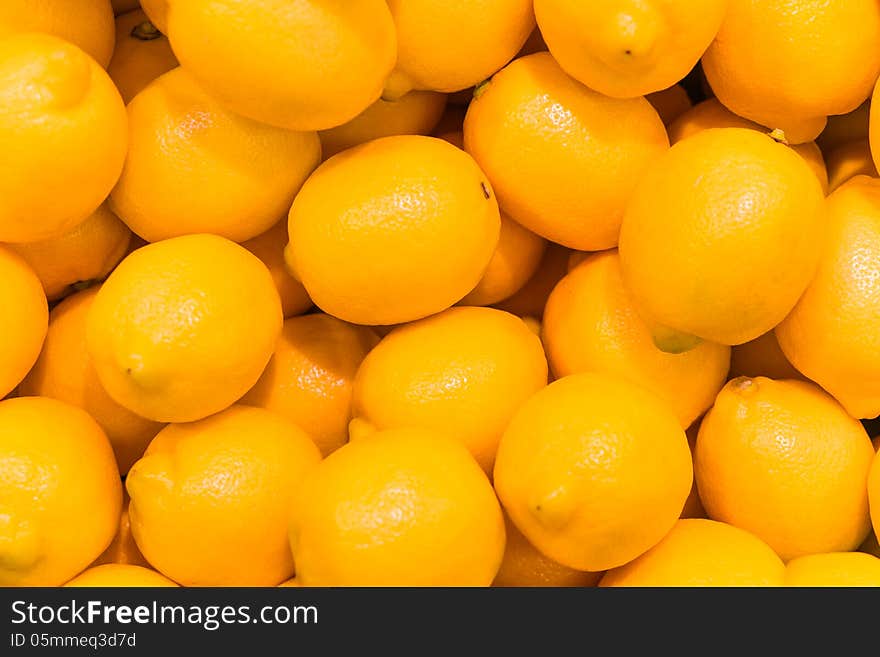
(672, 341)
(19, 545)
(360, 428)
(554, 509)
(397, 86)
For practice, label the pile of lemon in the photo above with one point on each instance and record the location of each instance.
(419, 293)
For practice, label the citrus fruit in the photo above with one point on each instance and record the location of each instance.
(60, 492)
(523, 565)
(593, 470)
(701, 552)
(779, 63)
(628, 48)
(784, 461)
(122, 549)
(831, 334)
(64, 371)
(555, 152)
(532, 297)
(844, 128)
(713, 201)
(834, 569)
(712, 114)
(416, 113)
(463, 373)
(87, 24)
(310, 377)
(182, 328)
(210, 500)
(87, 252)
(871, 545)
(25, 319)
(141, 55)
(850, 159)
(122, 6)
(396, 207)
(515, 260)
(402, 508)
(269, 248)
(120, 575)
(308, 66)
(693, 505)
(762, 357)
(157, 11)
(670, 103)
(193, 167)
(874, 494)
(451, 46)
(64, 120)
(591, 325)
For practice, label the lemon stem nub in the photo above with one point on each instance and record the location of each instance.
(146, 31)
(779, 135)
(481, 88)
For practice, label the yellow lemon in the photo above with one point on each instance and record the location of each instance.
(556, 153)
(712, 114)
(531, 298)
(714, 202)
(194, 167)
(784, 461)
(85, 23)
(514, 262)
(60, 492)
(65, 371)
(449, 46)
(25, 319)
(88, 252)
(64, 120)
(670, 103)
(523, 565)
(463, 372)
(142, 54)
(849, 160)
(762, 357)
(269, 248)
(702, 553)
(403, 508)
(416, 113)
(373, 231)
(782, 63)
(306, 66)
(591, 325)
(183, 328)
(210, 500)
(593, 470)
(310, 377)
(122, 549)
(628, 48)
(831, 334)
(120, 575)
(842, 569)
